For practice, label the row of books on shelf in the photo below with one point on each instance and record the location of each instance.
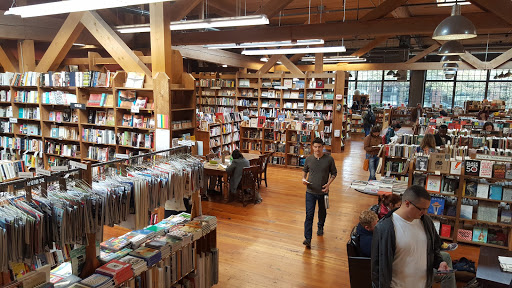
(219, 109)
(216, 83)
(437, 183)
(319, 95)
(275, 136)
(70, 150)
(209, 93)
(268, 103)
(129, 98)
(26, 97)
(303, 150)
(246, 145)
(64, 132)
(478, 168)
(30, 129)
(496, 191)
(25, 144)
(268, 113)
(182, 124)
(226, 92)
(135, 139)
(396, 167)
(5, 127)
(67, 115)
(399, 150)
(215, 141)
(29, 113)
(101, 100)
(58, 98)
(6, 78)
(247, 103)
(5, 95)
(10, 169)
(108, 118)
(480, 234)
(6, 111)
(485, 211)
(277, 160)
(297, 161)
(248, 93)
(129, 120)
(101, 153)
(99, 136)
(75, 79)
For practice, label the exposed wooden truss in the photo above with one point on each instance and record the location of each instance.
(424, 53)
(181, 8)
(383, 9)
(496, 62)
(500, 8)
(368, 47)
(6, 62)
(272, 7)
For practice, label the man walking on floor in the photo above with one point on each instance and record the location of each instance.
(406, 246)
(319, 172)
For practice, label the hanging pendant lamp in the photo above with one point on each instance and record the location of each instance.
(455, 27)
(390, 73)
(508, 74)
(451, 48)
(449, 76)
(450, 66)
(450, 59)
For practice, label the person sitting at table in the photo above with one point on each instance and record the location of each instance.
(235, 171)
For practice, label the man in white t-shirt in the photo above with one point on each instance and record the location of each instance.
(406, 246)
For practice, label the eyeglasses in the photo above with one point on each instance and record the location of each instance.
(420, 209)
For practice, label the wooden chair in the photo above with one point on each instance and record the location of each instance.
(246, 190)
(359, 268)
(262, 174)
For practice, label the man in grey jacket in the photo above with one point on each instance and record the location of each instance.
(406, 246)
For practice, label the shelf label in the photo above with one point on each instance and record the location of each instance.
(59, 168)
(493, 157)
(77, 106)
(122, 156)
(75, 164)
(13, 120)
(25, 174)
(43, 172)
(135, 109)
(35, 182)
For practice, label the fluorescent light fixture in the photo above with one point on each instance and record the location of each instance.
(61, 7)
(224, 65)
(334, 49)
(264, 59)
(201, 24)
(266, 44)
(441, 3)
(79, 44)
(335, 59)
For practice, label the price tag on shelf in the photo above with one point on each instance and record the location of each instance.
(25, 174)
(59, 168)
(135, 109)
(77, 106)
(75, 164)
(437, 172)
(122, 156)
(13, 120)
(43, 172)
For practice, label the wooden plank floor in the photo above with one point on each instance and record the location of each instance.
(261, 245)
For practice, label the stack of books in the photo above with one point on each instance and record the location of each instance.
(115, 244)
(98, 281)
(138, 265)
(151, 256)
(161, 244)
(119, 271)
(107, 255)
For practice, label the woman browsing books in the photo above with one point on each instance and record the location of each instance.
(428, 144)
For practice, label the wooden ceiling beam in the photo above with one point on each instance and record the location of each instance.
(295, 58)
(6, 62)
(181, 8)
(368, 47)
(224, 6)
(272, 7)
(496, 62)
(500, 8)
(270, 63)
(26, 55)
(423, 53)
(62, 43)
(424, 25)
(218, 57)
(113, 43)
(473, 61)
(385, 66)
(290, 66)
(383, 9)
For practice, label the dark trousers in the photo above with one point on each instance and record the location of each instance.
(311, 200)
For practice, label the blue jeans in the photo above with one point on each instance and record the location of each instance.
(311, 200)
(374, 162)
(367, 131)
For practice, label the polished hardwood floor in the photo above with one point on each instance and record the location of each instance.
(261, 245)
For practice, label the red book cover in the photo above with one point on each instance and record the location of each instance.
(261, 121)
(94, 100)
(446, 230)
(219, 116)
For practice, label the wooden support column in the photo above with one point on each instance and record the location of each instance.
(161, 90)
(91, 58)
(114, 45)
(337, 117)
(62, 43)
(6, 62)
(161, 38)
(319, 62)
(27, 55)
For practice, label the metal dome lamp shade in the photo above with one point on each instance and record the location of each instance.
(451, 48)
(455, 27)
(450, 59)
(501, 76)
(397, 74)
(449, 76)
(450, 66)
(390, 73)
(508, 74)
(449, 72)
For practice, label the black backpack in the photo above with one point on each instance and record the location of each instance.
(370, 117)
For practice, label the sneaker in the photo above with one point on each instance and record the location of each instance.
(449, 247)
(320, 231)
(307, 242)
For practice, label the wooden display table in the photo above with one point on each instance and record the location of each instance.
(489, 273)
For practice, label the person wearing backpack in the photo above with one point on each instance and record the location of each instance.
(391, 132)
(368, 120)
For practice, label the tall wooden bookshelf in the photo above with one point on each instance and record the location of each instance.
(43, 136)
(271, 94)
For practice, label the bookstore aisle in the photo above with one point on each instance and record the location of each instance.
(261, 245)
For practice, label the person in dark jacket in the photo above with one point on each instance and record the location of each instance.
(391, 131)
(441, 137)
(235, 170)
(367, 221)
(406, 246)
